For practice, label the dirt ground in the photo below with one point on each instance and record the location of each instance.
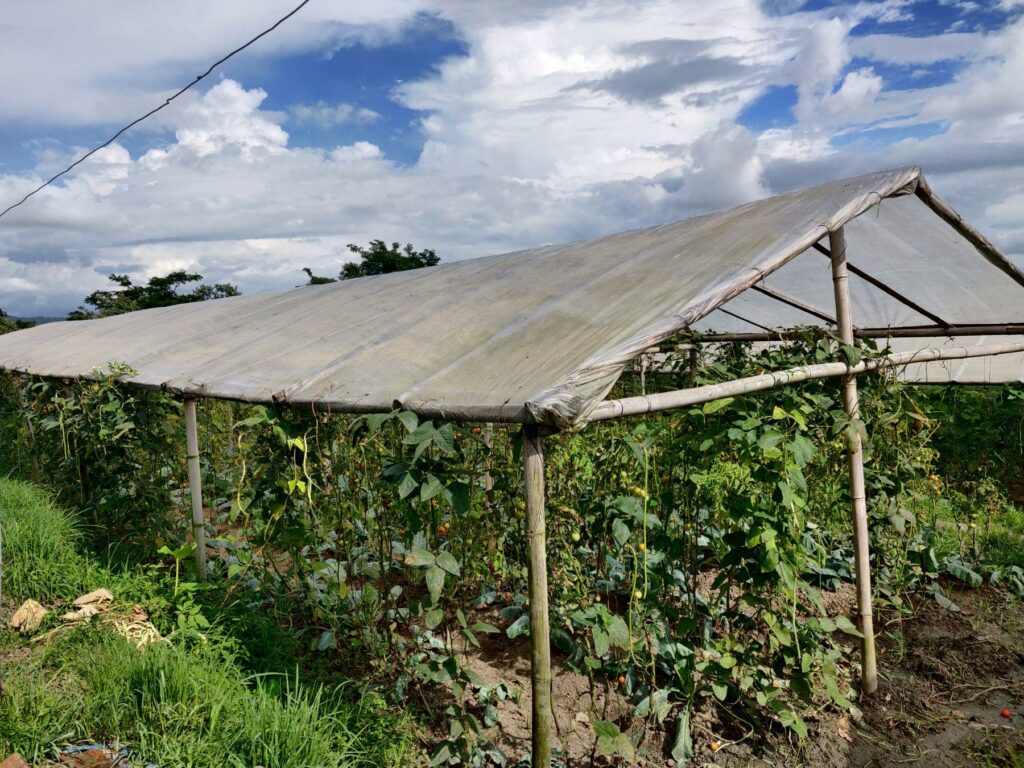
(945, 678)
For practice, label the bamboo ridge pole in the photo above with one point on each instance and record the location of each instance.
(540, 633)
(855, 460)
(195, 484)
(634, 406)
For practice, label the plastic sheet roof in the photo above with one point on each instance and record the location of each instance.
(542, 335)
(999, 369)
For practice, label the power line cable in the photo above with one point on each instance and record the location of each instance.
(152, 112)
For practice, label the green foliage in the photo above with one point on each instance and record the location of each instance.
(191, 699)
(187, 706)
(379, 258)
(41, 543)
(113, 452)
(160, 291)
(687, 551)
(9, 324)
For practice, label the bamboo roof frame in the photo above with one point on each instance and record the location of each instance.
(538, 422)
(564, 404)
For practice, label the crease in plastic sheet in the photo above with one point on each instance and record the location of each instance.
(533, 336)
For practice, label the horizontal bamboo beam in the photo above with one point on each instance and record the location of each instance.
(663, 401)
(895, 332)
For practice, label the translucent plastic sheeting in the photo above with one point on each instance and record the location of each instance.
(1000, 369)
(541, 335)
(903, 245)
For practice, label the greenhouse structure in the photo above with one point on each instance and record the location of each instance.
(539, 337)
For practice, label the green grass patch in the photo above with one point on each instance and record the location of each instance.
(983, 526)
(187, 706)
(218, 691)
(41, 546)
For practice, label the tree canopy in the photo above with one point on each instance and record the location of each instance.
(158, 292)
(378, 259)
(8, 323)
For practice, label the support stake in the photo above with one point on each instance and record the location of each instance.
(488, 436)
(540, 635)
(855, 460)
(195, 484)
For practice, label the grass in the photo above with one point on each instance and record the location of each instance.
(179, 706)
(199, 699)
(984, 525)
(42, 556)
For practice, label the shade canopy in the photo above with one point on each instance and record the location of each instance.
(540, 336)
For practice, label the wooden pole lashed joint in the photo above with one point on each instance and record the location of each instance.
(540, 634)
(855, 461)
(195, 484)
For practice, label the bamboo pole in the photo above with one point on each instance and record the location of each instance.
(893, 332)
(794, 302)
(195, 484)
(855, 460)
(488, 436)
(33, 453)
(886, 289)
(540, 634)
(681, 398)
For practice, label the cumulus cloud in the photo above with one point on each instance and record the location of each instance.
(227, 117)
(892, 11)
(326, 116)
(857, 91)
(562, 120)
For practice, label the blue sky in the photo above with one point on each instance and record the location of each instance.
(475, 128)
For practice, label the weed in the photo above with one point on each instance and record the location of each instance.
(41, 544)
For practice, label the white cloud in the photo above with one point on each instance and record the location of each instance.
(118, 60)
(892, 11)
(564, 120)
(227, 117)
(858, 91)
(929, 49)
(326, 116)
(818, 65)
(361, 150)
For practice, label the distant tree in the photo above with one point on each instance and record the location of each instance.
(317, 279)
(158, 292)
(8, 323)
(378, 259)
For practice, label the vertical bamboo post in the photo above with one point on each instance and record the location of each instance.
(195, 484)
(540, 635)
(33, 454)
(488, 434)
(855, 460)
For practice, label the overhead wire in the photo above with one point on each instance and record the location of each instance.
(153, 111)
